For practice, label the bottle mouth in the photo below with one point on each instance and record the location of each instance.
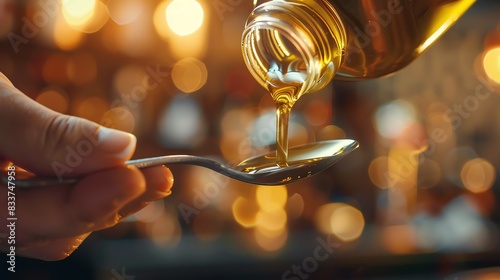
(276, 55)
(288, 43)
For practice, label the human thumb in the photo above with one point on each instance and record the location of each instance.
(48, 143)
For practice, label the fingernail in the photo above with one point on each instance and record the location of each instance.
(163, 194)
(159, 182)
(116, 142)
(170, 179)
(165, 180)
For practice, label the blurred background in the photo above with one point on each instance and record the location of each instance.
(417, 200)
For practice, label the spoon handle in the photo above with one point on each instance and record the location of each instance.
(33, 181)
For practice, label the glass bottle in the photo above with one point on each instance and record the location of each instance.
(293, 47)
(315, 40)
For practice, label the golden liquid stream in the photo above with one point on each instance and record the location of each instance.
(283, 109)
(286, 76)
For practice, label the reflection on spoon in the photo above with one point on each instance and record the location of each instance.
(303, 161)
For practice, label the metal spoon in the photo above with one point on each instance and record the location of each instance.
(303, 161)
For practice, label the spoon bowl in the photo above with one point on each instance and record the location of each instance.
(303, 161)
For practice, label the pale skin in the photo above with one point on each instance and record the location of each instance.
(53, 221)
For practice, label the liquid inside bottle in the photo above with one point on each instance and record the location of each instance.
(296, 47)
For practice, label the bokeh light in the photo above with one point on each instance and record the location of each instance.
(54, 99)
(181, 123)
(392, 118)
(265, 214)
(271, 198)
(98, 20)
(165, 231)
(268, 242)
(127, 78)
(263, 131)
(245, 212)
(271, 220)
(455, 161)
(378, 171)
(295, 206)
(189, 75)
(270, 229)
(478, 175)
(160, 20)
(125, 38)
(124, 11)
(119, 118)
(457, 226)
(184, 17)
(237, 120)
(234, 146)
(192, 44)
(342, 220)
(65, 37)
(347, 223)
(331, 132)
(318, 112)
(298, 135)
(78, 13)
(491, 64)
(91, 108)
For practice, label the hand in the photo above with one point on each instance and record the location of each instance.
(53, 221)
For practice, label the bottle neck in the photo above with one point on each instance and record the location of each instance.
(294, 43)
